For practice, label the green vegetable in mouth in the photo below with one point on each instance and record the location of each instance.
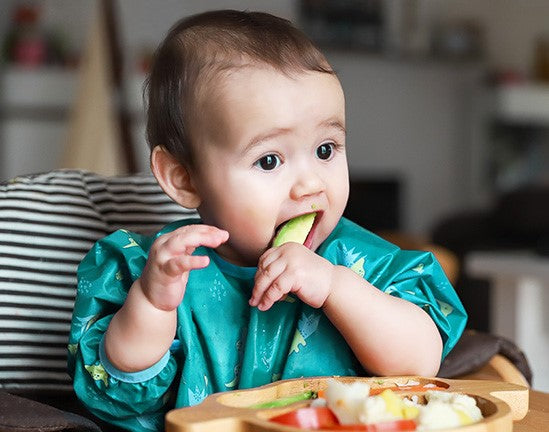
(295, 230)
(282, 402)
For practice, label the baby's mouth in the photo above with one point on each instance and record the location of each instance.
(299, 229)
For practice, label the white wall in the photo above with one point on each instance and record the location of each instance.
(412, 120)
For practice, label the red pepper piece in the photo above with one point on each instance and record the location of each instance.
(308, 418)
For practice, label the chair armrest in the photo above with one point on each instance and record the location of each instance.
(479, 355)
(499, 368)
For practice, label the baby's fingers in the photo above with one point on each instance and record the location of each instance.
(265, 278)
(271, 284)
(184, 263)
(193, 236)
(276, 291)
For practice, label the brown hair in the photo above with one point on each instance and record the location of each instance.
(201, 46)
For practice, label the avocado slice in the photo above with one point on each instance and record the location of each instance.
(295, 230)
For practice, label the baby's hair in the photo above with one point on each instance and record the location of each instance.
(199, 48)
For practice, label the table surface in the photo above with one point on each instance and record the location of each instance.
(537, 419)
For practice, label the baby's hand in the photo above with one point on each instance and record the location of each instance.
(291, 268)
(165, 275)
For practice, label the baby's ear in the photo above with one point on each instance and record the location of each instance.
(174, 178)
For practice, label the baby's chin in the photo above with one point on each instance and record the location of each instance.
(321, 233)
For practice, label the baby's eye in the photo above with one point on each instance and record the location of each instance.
(325, 150)
(268, 162)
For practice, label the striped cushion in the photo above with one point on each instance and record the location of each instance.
(47, 223)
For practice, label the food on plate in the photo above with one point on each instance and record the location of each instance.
(295, 230)
(321, 418)
(308, 418)
(446, 409)
(346, 400)
(356, 406)
(284, 401)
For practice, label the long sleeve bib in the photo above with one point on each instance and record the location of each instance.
(221, 342)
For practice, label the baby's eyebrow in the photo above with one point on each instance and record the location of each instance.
(335, 124)
(258, 139)
(331, 123)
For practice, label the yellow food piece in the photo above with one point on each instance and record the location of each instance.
(410, 412)
(464, 419)
(392, 402)
(396, 406)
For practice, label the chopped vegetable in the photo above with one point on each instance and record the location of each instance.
(308, 418)
(346, 400)
(282, 402)
(356, 406)
(319, 418)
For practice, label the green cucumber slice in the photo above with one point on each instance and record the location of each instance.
(295, 230)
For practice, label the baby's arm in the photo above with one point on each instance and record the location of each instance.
(141, 332)
(388, 335)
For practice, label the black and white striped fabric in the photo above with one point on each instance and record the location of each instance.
(47, 224)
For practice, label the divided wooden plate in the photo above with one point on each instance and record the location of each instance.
(500, 403)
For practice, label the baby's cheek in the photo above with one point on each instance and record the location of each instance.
(257, 225)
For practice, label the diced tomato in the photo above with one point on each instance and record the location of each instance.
(318, 418)
(310, 418)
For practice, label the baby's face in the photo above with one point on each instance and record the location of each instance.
(270, 147)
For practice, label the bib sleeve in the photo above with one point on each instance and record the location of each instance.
(136, 401)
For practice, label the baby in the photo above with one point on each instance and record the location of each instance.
(246, 122)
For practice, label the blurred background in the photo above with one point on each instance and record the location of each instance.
(447, 100)
(447, 109)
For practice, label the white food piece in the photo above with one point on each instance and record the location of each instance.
(374, 410)
(346, 400)
(319, 402)
(446, 410)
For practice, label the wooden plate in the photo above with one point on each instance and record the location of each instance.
(499, 402)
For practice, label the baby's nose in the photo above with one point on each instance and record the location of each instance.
(307, 183)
